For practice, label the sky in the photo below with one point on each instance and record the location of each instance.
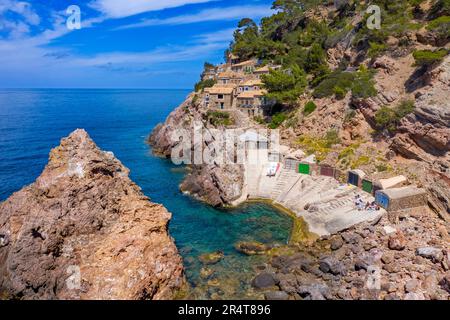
(121, 43)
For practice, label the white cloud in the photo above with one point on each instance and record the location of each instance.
(214, 14)
(24, 18)
(126, 8)
(219, 36)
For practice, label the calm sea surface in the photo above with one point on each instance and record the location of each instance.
(33, 121)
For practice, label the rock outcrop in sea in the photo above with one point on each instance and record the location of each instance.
(217, 185)
(84, 230)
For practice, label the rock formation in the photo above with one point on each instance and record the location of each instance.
(84, 230)
(217, 185)
(403, 256)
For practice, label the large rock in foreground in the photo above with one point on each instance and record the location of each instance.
(84, 230)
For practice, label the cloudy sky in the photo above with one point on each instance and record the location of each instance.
(121, 43)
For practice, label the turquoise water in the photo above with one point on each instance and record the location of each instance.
(33, 121)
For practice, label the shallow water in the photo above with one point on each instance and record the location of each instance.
(33, 121)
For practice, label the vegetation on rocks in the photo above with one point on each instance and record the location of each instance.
(389, 118)
(208, 83)
(429, 57)
(277, 120)
(309, 108)
(320, 147)
(219, 118)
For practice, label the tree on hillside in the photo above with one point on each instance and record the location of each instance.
(285, 86)
(246, 39)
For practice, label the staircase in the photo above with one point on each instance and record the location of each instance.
(285, 182)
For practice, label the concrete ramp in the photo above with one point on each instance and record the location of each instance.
(322, 202)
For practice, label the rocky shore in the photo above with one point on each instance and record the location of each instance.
(84, 230)
(402, 256)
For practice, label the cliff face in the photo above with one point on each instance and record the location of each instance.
(84, 230)
(217, 185)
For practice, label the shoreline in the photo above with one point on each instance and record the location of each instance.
(300, 229)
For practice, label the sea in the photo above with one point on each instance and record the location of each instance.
(32, 122)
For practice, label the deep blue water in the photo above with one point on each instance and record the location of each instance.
(33, 121)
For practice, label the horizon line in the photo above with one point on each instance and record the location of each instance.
(81, 88)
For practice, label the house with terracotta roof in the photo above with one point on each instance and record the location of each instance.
(228, 77)
(220, 97)
(252, 102)
(250, 85)
(244, 67)
(265, 70)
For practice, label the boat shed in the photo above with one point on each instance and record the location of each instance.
(401, 198)
(355, 177)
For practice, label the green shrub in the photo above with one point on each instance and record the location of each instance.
(441, 26)
(364, 85)
(277, 120)
(341, 79)
(428, 57)
(339, 92)
(199, 86)
(376, 49)
(404, 108)
(389, 118)
(309, 108)
(219, 118)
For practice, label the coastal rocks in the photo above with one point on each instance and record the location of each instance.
(336, 243)
(84, 230)
(276, 295)
(216, 185)
(434, 254)
(332, 265)
(205, 273)
(445, 283)
(365, 258)
(211, 258)
(314, 291)
(251, 248)
(264, 280)
(397, 241)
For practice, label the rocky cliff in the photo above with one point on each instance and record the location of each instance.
(84, 230)
(402, 256)
(217, 185)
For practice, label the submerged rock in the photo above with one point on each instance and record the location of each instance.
(211, 258)
(205, 273)
(84, 230)
(251, 248)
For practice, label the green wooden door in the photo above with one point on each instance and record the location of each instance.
(367, 186)
(304, 168)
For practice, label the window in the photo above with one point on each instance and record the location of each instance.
(220, 96)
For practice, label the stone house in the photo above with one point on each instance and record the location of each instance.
(244, 67)
(250, 85)
(252, 102)
(229, 77)
(220, 97)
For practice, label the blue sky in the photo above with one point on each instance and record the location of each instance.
(122, 43)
